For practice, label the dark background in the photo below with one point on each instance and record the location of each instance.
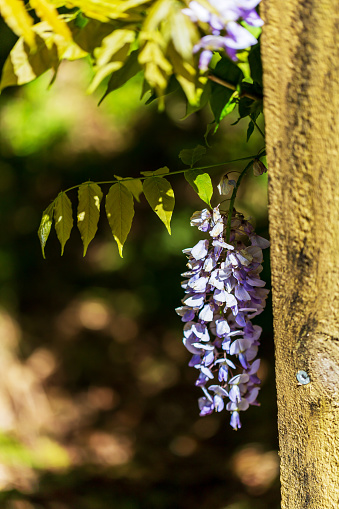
(98, 408)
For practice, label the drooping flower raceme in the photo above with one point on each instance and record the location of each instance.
(226, 33)
(223, 293)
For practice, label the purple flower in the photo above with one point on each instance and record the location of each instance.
(226, 33)
(223, 293)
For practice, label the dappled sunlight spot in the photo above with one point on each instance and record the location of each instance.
(91, 314)
(206, 427)
(67, 322)
(255, 468)
(183, 445)
(104, 256)
(94, 315)
(10, 333)
(81, 216)
(19, 477)
(155, 375)
(29, 403)
(42, 362)
(110, 449)
(20, 504)
(123, 329)
(48, 454)
(263, 370)
(128, 418)
(102, 398)
(67, 414)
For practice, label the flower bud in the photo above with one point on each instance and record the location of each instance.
(258, 168)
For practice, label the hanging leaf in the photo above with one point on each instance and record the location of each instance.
(254, 59)
(17, 18)
(191, 156)
(63, 218)
(120, 212)
(160, 171)
(135, 186)
(90, 196)
(47, 12)
(125, 73)
(106, 10)
(250, 130)
(159, 194)
(222, 102)
(45, 226)
(111, 55)
(201, 183)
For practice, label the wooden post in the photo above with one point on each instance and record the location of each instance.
(301, 82)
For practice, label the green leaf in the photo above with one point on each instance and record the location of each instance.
(135, 186)
(47, 12)
(63, 218)
(45, 226)
(159, 194)
(191, 156)
(245, 107)
(23, 65)
(228, 71)
(222, 102)
(160, 171)
(111, 55)
(201, 183)
(17, 18)
(119, 78)
(120, 213)
(254, 59)
(252, 88)
(250, 130)
(90, 196)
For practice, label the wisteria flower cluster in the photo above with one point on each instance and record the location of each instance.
(223, 293)
(226, 33)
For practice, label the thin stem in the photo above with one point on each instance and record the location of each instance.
(226, 84)
(231, 207)
(167, 174)
(256, 125)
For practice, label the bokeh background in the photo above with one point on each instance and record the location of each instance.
(98, 408)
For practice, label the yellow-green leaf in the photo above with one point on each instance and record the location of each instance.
(23, 66)
(120, 212)
(134, 185)
(17, 18)
(63, 218)
(47, 12)
(111, 55)
(160, 171)
(159, 194)
(90, 196)
(187, 76)
(201, 183)
(191, 156)
(45, 226)
(102, 10)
